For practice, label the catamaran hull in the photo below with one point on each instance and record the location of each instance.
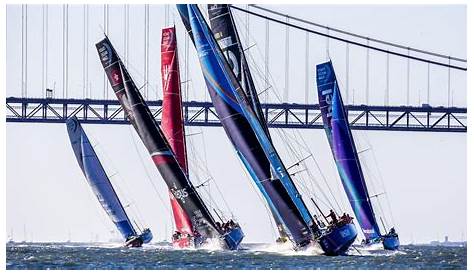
(338, 241)
(391, 242)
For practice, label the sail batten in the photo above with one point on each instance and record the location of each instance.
(344, 151)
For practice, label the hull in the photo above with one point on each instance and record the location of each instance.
(134, 242)
(146, 236)
(233, 238)
(338, 240)
(182, 243)
(391, 242)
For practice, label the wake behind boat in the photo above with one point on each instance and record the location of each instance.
(102, 187)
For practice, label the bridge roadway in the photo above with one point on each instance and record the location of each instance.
(362, 117)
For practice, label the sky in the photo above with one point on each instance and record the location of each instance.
(424, 173)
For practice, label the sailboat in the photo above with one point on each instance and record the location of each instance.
(249, 138)
(173, 128)
(203, 223)
(102, 187)
(172, 125)
(344, 151)
(223, 27)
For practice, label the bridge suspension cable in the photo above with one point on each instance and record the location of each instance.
(368, 39)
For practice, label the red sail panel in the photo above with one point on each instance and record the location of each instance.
(172, 118)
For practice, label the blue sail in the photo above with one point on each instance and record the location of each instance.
(344, 151)
(97, 178)
(220, 79)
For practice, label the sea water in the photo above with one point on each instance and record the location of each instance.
(251, 256)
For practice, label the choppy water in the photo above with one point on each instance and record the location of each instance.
(253, 256)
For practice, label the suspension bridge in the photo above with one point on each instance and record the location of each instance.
(87, 96)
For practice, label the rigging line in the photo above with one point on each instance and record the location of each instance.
(378, 176)
(308, 170)
(305, 166)
(326, 183)
(206, 170)
(358, 35)
(380, 179)
(148, 174)
(254, 64)
(279, 99)
(387, 196)
(120, 186)
(353, 42)
(372, 180)
(372, 184)
(276, 95)
(260, 198)
(108, 164)
(285, 138)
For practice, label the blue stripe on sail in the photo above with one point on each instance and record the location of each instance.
(97, 178)
(344, 151)
(219, 91)
(214, 66)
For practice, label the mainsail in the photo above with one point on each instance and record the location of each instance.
(172, 119)
(343, 148)
(223, 27)
(154, 140)
(243, 128)
(97, 178)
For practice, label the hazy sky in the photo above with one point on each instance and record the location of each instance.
(424, 173)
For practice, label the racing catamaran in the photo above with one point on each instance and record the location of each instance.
(203, 223)
(102, 187)
(345, 154)
(253, 146)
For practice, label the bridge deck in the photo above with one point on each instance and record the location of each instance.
(401, 118)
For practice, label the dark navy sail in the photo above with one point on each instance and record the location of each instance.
(245, 131)
(97, 178)
(154, 140)
(344, 151)
(223, 27)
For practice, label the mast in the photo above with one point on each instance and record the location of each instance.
(225, 32)
(154, 140)
(97, 178)
(172, 118)
(344, 151)
(245, 132)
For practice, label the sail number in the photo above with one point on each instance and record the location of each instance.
(180, 194)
